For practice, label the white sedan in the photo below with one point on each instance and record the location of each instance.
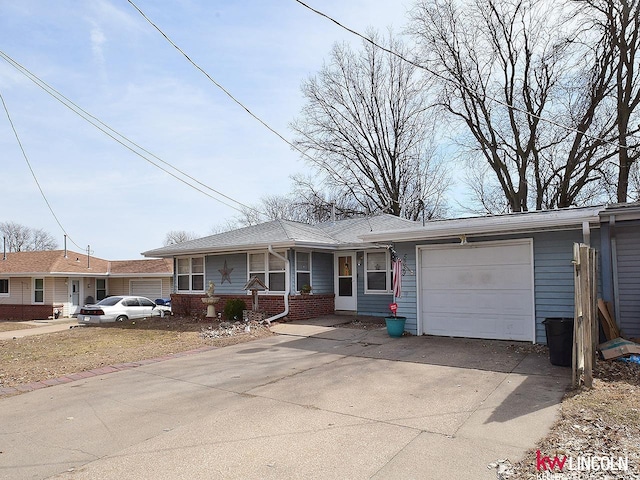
(121, 308)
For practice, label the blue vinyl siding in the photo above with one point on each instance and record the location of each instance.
(370, 304)
(322, 272)
(237, 262)
(553, 275)
(628, 266)
(407, 303)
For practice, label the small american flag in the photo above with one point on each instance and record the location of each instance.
(397, 278)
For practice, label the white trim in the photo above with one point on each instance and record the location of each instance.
(33, 292)
(190, 274)
(310, 271)
(8, 294)
(266, 256)
(516, 241)
(509, 223)
(106, 287)
(387, 271)
(353, 304)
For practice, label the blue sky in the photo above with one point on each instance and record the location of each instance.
(107, 59)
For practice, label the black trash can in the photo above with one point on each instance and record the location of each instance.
(559, 340)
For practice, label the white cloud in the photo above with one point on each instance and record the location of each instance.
(98, 40)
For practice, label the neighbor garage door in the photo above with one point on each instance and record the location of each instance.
(478, 290)
(150, 288)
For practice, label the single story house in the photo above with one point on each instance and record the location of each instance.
(494, 277)
(346, 274)
(34, 284)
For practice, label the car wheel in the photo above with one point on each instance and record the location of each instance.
(121, 318)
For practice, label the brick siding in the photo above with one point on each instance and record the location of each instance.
(301, 307)
(25, 312)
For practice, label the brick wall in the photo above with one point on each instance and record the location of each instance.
(25, 312)
(300, 306)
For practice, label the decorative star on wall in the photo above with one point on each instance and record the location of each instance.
(226, 273)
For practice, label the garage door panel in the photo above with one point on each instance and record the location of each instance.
(150, 288)
(508, 277)
(512, 328)
(474, 255)
(477, 302)
(484, 292)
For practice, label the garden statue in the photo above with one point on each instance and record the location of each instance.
(210, 300)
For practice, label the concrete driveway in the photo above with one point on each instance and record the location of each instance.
(312, 402)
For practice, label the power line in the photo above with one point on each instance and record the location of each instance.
(238, 102)
(442, 77)
(120, 138)
(33, 174)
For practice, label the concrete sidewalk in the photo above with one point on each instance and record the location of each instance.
(332, 403)
(39, 327)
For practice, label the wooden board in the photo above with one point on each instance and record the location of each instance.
(609, 326)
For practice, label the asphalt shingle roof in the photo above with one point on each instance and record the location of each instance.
(278, 232)
(54, 261)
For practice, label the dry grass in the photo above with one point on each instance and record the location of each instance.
(602, 421)
(41, 357)
(11, 326)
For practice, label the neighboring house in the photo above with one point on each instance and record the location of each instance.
(34, 284)
(494, 277)
(346, 274)
(621, 264)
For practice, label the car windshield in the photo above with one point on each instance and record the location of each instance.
(109, 301)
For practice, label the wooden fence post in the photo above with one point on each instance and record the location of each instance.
(585, 327)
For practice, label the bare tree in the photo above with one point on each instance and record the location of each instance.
(498, 64)
(42, 240)
(618, 23)
(178, 236)
(304, 204)
(317, 205)
(20, 238)
(366, 127)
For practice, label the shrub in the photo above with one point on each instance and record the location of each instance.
(233, 309)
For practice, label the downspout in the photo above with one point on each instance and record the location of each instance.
(586, 234)
(287, 287)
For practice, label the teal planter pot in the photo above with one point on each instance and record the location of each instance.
(395, 326)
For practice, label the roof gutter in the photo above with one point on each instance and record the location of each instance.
(287, 286)
(504, 224)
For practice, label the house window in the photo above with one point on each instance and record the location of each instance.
(268, 268)
(377, 272)
(101, 288)
(4, 287)
(257, 266)
(276, 274)
(303, 269)
(190, 273)
(38, 290)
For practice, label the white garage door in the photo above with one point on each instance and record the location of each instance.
(150, 288)
(481, 290)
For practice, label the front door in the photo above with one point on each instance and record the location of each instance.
(75, 294)
(345, 281)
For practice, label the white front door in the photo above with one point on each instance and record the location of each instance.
(75, 293)
(345, 281)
